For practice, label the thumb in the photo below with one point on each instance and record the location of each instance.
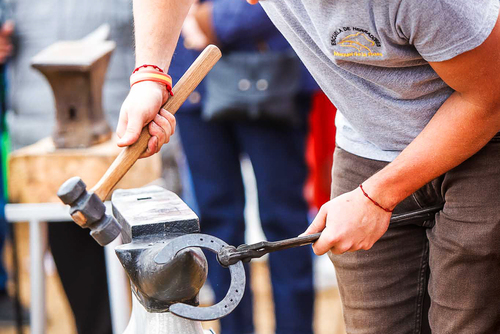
(318, 223)
(132, 132)
(122, 124)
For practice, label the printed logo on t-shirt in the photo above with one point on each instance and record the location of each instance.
(364, 43)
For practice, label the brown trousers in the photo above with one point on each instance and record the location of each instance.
(445, 273)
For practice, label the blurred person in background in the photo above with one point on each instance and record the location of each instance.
(260, 111)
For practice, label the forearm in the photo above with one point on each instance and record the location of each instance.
(157, 27)
(457, 131)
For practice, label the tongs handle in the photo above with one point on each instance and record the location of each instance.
(246, 252)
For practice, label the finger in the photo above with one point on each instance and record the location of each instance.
(151, 148)
(133, 130)
(321, 246)
(170, 118)
(122, 124)
(152, 145)
(343, 247)
(337, 250)
(166, 127)
(364, 245)
(158, 132)
(319, 222)
(327, 240)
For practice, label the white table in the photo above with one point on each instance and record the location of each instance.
(38, 215)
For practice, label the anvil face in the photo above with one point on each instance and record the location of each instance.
(152, 213)
(150, 217)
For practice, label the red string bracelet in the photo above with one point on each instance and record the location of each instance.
(373, 201)
(147, 65)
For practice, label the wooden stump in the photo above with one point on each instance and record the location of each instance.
(37, 171)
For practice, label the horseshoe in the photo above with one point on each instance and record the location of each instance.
(237, 271)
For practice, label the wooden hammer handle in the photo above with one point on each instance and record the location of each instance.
(129, 155)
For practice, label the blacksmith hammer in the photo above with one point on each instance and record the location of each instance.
(87, 207)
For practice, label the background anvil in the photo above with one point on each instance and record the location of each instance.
(76, 72)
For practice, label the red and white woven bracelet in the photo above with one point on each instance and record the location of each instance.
(152, 75)
(148, 65)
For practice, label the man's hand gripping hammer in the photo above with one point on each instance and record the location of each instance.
(87, 207)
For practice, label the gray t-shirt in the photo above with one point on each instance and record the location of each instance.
(371, 59)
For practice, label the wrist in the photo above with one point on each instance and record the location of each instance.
(162, 62)
(373, 201)
(151, 73)
(151, 86)
(144, 67)
(382, 191)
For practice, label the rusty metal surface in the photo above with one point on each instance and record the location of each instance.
(39, 24)
(76, 71)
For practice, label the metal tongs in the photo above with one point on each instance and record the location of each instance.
(246, 253)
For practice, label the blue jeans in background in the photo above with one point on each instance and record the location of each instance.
(213, 151)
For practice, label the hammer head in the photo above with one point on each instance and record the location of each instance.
(88, 211)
